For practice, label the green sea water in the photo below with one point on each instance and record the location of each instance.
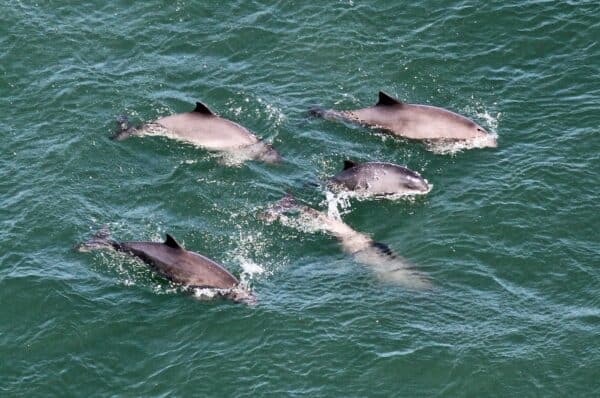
(508, 235)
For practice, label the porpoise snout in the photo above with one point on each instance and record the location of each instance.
(124, 129)
(423, 186)
(484, 138)
(121, 135)
(272, 156)
(418, 184)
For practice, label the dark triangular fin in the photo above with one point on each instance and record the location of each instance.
(387, 100)
(348, 164)
(171, 242)
(201, 108)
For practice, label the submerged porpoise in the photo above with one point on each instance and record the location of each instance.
(387, 265)
(177, 264)
(204, 128)
(417, 122)
(378, 179)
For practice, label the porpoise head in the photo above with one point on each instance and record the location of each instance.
(269, 155)
(261, 151)
(480, 132)
(464, 129)
(101, 240)
(285, 204)
(412, 182)
(241, 294)
(480, 129)
(124, 129)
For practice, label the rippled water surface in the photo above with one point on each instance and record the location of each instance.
(508, 235)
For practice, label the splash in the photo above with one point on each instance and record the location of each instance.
(250, 268)
(339, 203)
(273, 113)
(233, 159)
(240, 294)
(248, 247)
(451, 147)
(205, 293)
(491, 122)
(300, 223)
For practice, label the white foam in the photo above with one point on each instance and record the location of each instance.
(250, 268)
(334, 202)
(339, 203)
(274, 113)
(451, 147)
(207, 293)
(233, 159)
(240, 293)
(300, 223)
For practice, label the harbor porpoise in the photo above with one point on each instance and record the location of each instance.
(177, 264)
(412, 121)
(204, 128)
(387, 265)
(378, 179)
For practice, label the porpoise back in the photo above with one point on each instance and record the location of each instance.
(181, 266)
(379, 257)
(204, 128)
(378, 178)
(413, 121)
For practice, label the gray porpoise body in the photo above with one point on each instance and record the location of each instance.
(386, 264)
(172, 261)
(378, 178)
(204, 128)
(413, 121)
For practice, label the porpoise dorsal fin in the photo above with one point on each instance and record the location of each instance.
(387, 100)
(201, 108)
(348, 164)
(171, 242)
